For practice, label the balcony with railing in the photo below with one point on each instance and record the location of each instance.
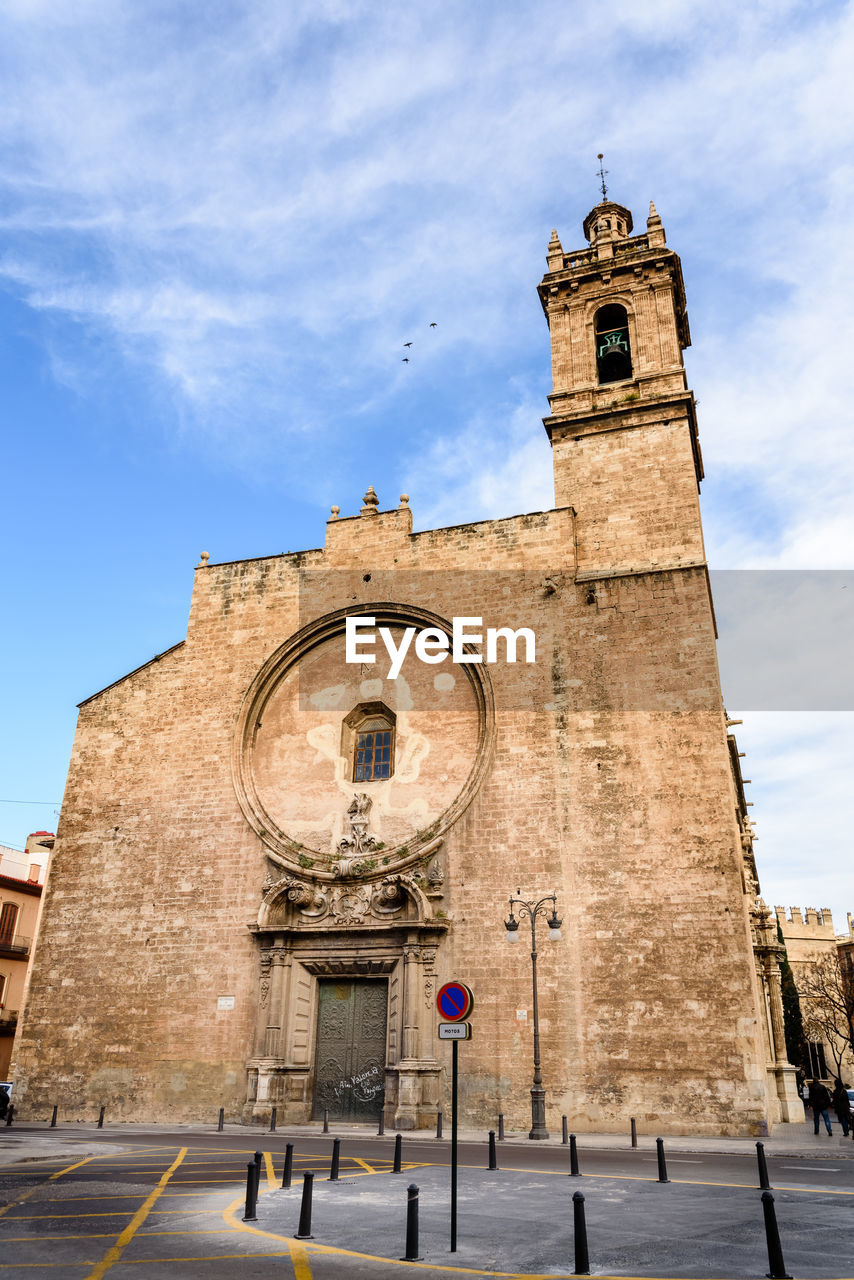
(8, 1021)
(14, 946)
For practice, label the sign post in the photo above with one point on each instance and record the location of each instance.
(455, 1049)
(454, 1002)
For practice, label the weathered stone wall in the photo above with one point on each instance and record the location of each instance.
(613, 788)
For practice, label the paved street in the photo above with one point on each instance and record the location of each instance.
(84, 1203)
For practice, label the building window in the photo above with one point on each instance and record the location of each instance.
(613, 351)
(367, 742)
(2, 989)
(373, 752)
(8, 919)
(818, 1066)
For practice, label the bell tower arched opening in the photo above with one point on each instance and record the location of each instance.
(613, 349)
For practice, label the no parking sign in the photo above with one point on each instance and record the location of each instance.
(454, 1001)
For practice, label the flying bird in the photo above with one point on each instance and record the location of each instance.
(432, 324)
(407, 344)
(405, 360)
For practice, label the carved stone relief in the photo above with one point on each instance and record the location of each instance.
(290, 902)
(359, 841)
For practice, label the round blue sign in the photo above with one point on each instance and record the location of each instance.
(454, 1001)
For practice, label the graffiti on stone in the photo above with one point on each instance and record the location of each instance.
(363, 1086)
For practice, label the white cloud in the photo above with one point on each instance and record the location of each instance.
(255, 205)
(801, 768)
(491, 468)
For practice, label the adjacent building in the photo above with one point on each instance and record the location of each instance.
(22, 876)
(822, 964)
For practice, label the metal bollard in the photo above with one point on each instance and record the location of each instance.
(582, 1258)
(776, 1265)
(259, 1156)
(398, 1149)
(564, 1136)
(10, 1115)
(251, 1192)
(273, 1115)
(574, 1171)
(493, 1158)
(101, 1117)
(764, 1184)
(221, 1121)
(662, 1167)
(634, 1133)
(336, 1157)
(501, 1126)
(411, 1223)
(287, 1172)
(326, 1122)
(53, 1118)
(304, 1232)
(438, 1124)
(381, 1125)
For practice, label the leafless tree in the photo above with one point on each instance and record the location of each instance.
(826, 993)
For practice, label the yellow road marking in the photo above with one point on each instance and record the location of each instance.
(26, 1194)
(187, 1213)
(72, 1199)
(70, 1168)
(364, 1164)
(190, 1195)
(220, 1257)
(208, 1182)
(270, 1171)
(636, 1177)
(52, 1217)
(306, 1247)
(136, 1222)
(130, 1196)
(109, 1235)
(92, 1235)
(19, 1266)
(299, 1258)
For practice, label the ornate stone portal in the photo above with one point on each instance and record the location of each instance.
(357, 916)
(386, 929)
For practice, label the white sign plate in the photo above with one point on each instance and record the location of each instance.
(225, 1002)
(455, 1031)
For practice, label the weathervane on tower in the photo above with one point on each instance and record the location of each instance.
(602, 171)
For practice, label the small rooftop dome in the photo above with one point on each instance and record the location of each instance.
(608, 221)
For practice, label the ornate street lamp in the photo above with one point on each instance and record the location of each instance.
(533, 910)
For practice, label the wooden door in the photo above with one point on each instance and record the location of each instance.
(349, 1059)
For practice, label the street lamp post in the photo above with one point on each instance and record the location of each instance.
(533, 910)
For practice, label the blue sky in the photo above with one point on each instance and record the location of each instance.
(220, 222)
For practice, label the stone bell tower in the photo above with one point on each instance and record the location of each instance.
(622, 423)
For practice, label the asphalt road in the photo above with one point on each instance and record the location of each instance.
(170, 1207)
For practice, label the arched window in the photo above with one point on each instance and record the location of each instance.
(613, 353)
(368, 741)
(374, 743)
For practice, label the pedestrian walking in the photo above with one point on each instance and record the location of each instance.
(819, 1100)
(842, 1106)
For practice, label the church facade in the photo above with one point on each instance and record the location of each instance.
(274, 848)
